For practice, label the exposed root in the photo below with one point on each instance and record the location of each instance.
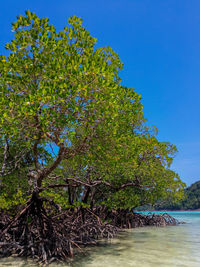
(124, 219)
(36, 234)
(46, 238)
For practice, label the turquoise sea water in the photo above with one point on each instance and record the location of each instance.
(142, 247)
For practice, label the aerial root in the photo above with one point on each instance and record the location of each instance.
(46, 237)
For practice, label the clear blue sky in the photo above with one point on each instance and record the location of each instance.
(159, 43)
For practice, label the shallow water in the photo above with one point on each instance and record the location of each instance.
(149, 246)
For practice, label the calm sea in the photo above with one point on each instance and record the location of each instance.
(142, 247)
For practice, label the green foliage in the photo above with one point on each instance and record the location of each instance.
(55, 81)
(58, 196)
(85, 133)
(9, 201)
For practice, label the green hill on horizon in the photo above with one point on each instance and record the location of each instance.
(191, 201)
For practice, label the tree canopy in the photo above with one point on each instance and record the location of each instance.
(69, 129)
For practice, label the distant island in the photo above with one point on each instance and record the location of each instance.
(191, 201)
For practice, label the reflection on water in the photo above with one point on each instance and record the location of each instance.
(150, 246)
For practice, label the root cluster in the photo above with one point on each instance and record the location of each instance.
(46, 236)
